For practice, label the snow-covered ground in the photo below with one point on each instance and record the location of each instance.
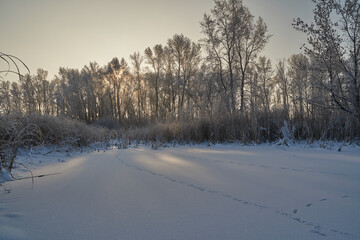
(198, 192)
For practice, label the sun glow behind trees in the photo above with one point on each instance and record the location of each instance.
(49, 34)
(222, 85)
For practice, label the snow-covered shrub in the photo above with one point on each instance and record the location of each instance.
(19, 131)
(65, 131)
(107, 123)
(257, 128)
(15, 132)
(286, 134)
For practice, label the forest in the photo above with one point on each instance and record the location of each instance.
(219, 89)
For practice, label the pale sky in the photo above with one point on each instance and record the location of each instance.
(50, 34)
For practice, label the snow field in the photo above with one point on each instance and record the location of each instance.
(198, 192)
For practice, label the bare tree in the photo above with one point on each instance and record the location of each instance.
(233, 39)
(41, 87)
(266, 83)
(169, 80)
(137, 60)
(14, 65)
(187, 58)
(90, 75)
(298, 73)
(155, 59)
(334, 41)
(16, 97)
(251, 39)
(27, 86)
(282, 81)
(219, 29)
(5, 97)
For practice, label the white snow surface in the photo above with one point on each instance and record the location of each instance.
(222, 192)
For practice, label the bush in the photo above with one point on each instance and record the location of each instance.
(16, 132)
(246, 129)
(19, 131)
(64, 131)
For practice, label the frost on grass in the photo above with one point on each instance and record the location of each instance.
(18, 131)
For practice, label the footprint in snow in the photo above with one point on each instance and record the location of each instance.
(12, 215)
(346, 196)
(322, 200)
(318, 233)
(309, 205)
(295, 211)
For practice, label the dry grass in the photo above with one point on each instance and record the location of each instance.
(20, 131)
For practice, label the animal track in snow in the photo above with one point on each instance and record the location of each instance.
(321, 200)
(315, 229)
(269, 167)
(318, 233)
(12, 215)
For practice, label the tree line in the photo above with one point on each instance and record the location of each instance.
(222, 81)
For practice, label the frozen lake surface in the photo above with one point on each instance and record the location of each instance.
(198, 192)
